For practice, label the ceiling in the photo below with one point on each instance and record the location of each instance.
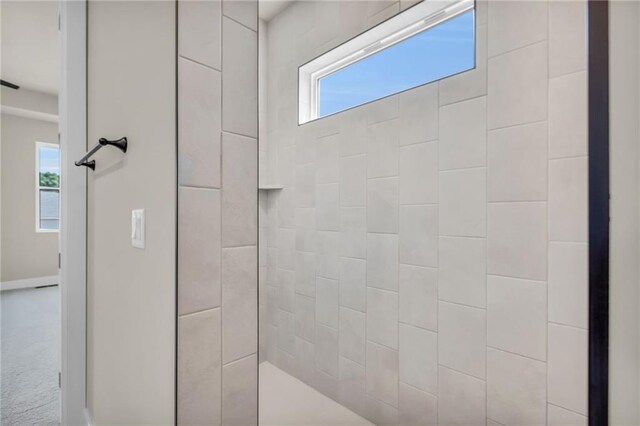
(30, 41)
(270, 8)
(30, 44)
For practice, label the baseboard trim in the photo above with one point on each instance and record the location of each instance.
(88, 417)
(29, 282)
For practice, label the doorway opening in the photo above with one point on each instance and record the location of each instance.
(30, 214)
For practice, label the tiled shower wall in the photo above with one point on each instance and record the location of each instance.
(426, 260)
(217, 212)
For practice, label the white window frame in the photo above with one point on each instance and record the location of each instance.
(408, 23)
(40, 145)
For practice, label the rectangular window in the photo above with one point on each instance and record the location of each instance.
(47, 187)
(425, 43)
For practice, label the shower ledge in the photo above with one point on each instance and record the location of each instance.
(273, 187)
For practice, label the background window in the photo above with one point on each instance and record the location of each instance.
(425, 43)
(47, 187)
(430, 55)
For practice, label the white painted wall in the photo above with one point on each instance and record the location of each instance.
(624, 363)
(25, 252)
(131, 292)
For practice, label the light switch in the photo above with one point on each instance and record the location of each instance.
(137, 228)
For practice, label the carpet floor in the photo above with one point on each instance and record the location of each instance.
(29, 363)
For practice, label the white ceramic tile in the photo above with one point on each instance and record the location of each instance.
(419, 235)
(568, 199)
(286, 335)
(568, 115)
(327, 154)
(286, 289)
(353, 283)
(462, 338)
(382, 205)
(306, 273)
(239, 79)
(353, 232)
(328, 207)
(352, 335)
(382, 149)
(516, 389)
(419, 114)
(569, 283)
(198, 249)
(517, 240)
(417, 408)
(419, 296)
(518, 163)
(353, 132)
(305, 355)
(305, 189)
(461, 398)
(199, 31)
(353, 181)
(380, 412)
(419, 173)
(286, 248)
(463, 203)
(517, 316)
(515, 25)
(382, 317)
(557, 416)
(327, 302)
(384, 109)
(419, 358)
(382, 373)
(327, 350)
(568, 369)
(243, 11)
(472, 83)
(383, 15)
(286, 208)
(463, 134)
(199, 368)
(305, 147)
(352, 385)
(328, 254)
(305, 229)
(199, 124)
(239, 191)
(305, 322)
(240, 392)
(239, 301)
(462, 270)
(382, 261)
(518, 87)
(567, 37)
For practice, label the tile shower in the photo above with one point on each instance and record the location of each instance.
(425, 260)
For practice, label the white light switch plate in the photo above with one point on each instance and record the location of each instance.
(137, 228)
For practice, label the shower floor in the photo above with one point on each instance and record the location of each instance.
(285, 400)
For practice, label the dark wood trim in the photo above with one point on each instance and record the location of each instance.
(598, 88)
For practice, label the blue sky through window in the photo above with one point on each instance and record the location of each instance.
(49, 160)
(440, 51)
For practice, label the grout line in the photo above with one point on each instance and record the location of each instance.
(242, 358)
(567, 409)
(202, 64)
(239, 23)
(515, 49)
(516, 354)
(462, 372)
(511, 126)
(229, 132)
(191, 314)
